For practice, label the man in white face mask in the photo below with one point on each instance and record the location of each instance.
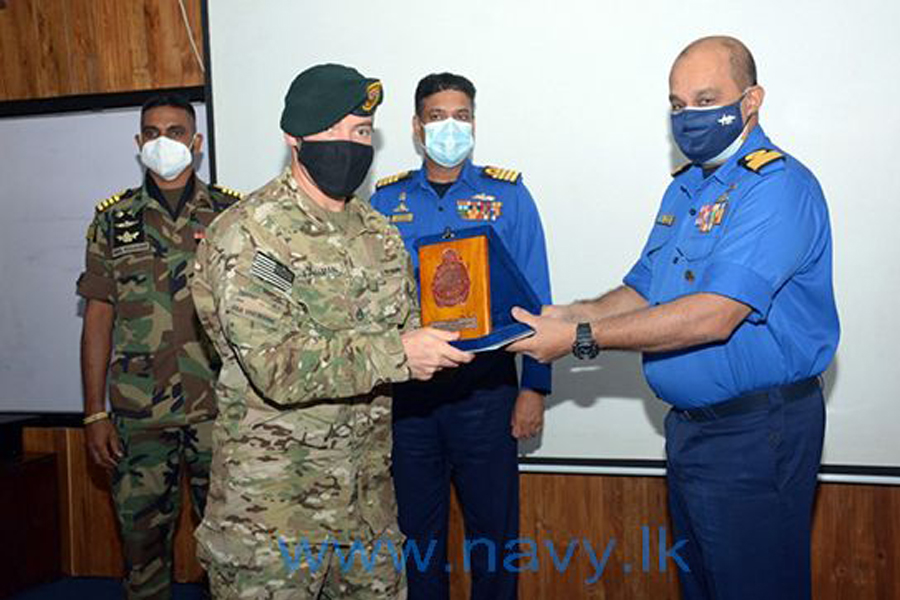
(140, 251)
(463, 427)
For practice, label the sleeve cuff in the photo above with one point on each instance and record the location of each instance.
(638, 278)
(536, 376)
(395, 367)
(739, 283)
(94, 287)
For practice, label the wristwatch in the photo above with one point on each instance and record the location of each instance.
(584, 345)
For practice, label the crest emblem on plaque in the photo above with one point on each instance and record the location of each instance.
(451, 283)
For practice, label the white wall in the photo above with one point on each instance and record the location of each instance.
(53, 171)
(574, 94)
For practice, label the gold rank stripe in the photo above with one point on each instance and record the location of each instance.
(502, 174)
(760, 158)
(681, 169)
(392, 179)
(229, 191)
(105, 204)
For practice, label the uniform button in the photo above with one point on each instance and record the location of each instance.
(441, 208)
(693, 211)
(689, 276)
(675, 261)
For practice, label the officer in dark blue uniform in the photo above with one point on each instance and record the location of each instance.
(732, 304)
(463, 427)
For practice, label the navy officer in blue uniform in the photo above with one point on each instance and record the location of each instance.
(731, 303)
(463, 428)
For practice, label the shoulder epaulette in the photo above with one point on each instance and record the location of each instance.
(757, 159)
(501, 174)
(391, 179)
(681, 169)
(227, 191)
(115, 198)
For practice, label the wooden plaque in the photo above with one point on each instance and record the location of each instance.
(455, 284)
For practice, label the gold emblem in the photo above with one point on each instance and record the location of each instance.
(402, 207)
(128, 237)
(666, 220)
(373, 95)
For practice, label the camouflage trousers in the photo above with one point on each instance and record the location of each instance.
(332, 578)
(147, 498)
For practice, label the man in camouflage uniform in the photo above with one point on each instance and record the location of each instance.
(140, 252)
(307, 293)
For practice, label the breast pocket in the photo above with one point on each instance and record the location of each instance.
(378, 284)
(386, 301)
(698, 246)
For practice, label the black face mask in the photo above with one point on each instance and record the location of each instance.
(337, 168)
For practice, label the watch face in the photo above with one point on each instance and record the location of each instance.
(585, 350)
(584, 346)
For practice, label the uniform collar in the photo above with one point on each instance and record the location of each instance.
(357, 220)
(756, 139)
(152, 190)
(693, 178)
(468, 176)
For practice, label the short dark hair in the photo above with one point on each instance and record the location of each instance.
(441, 82)
(172, 99)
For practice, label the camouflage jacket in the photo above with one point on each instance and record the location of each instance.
(139, 259)
(306, 308)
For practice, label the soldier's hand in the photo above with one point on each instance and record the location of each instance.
(428, 351)
(103, 443)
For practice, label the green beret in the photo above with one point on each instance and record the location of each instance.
(322, 95)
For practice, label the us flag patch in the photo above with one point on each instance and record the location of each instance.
(271, 271)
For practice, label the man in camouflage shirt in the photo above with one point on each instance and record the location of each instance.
(140, 252)
(307, 293)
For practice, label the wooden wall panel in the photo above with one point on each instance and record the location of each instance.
(855, 544)
(17, 36)
(51, 48)
(90, 542)
(40, 440)
(855, 549)
(605, 512)
(50, 23)
(85, 67)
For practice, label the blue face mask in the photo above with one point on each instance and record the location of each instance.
(448, 142)
(703, 134)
